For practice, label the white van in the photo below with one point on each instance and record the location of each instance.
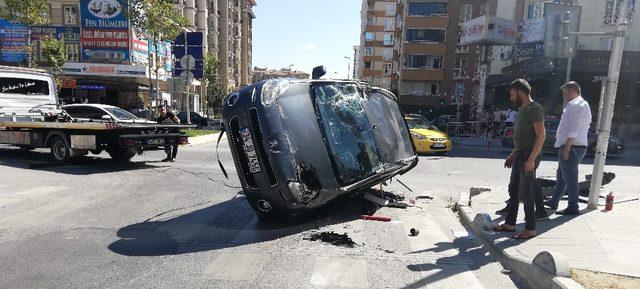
(24, 91)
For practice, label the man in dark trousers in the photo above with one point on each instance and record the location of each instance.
(529, 136)
(167, 117)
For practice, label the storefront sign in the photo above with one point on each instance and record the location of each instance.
(140, 49)
(13, 40)
(530, 49)
(489, 30)
(105, 33)
(92, 87)
(96, 69)
(68, 34)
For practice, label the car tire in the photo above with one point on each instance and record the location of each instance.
(96, 152)
(60, 149)
(121, 155)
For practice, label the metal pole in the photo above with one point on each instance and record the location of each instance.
(608, 106)
(569, 64)
(186, 77)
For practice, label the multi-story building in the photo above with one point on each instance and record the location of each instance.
(412, 47)
(260, 74)
(108, 62)
(589, 65)
(356, 63)
(380, 42)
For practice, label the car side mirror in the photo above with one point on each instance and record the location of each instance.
(106, 117)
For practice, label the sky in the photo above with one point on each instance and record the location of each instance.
(306, 33)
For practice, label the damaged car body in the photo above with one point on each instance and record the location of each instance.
(298, 144)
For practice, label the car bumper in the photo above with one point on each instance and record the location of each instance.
(428, 146)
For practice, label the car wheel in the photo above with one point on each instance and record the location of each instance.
(60, 149)
(96, 152)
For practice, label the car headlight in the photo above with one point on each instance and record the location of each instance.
(418, 136)
(272, 89)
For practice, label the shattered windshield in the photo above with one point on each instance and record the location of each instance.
(348, 132)
(120, 113)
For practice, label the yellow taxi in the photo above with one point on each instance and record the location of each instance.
(427, 137)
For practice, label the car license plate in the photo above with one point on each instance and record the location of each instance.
(249, 150)
(439, 145)
(159, 141)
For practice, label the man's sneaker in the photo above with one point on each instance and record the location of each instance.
(548, 204)
(502, 212)
(166, 160)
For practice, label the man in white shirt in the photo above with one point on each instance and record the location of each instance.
(511, 117)
(571, 142)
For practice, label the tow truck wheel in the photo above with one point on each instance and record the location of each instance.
(60, 149)
(121, 155)
(96, 152)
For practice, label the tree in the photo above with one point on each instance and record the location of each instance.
(30, 13)
(55, 54)
(215, 91)
(157, 20)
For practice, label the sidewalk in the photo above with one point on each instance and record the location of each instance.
(597, 241)
(203, 139)
(476, 142)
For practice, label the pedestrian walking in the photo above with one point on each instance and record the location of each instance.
(511, 117)
(571, 142)
(167, 117)
(529, 136)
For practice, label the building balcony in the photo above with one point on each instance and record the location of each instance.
(427, 21)
(424, 48)
(422, 74)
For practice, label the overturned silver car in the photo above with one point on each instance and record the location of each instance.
(298, 144)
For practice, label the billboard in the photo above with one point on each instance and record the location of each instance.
(99, 69)
(533, 30)
(554, 16)
(105, 31)
(66, 33)
(489, 30)
(13, 40)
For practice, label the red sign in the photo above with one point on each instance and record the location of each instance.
(105, 38)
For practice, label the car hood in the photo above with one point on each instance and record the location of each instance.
(141, 121)
(430, 133)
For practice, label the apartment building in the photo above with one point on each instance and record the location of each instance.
(380, 42)
(412, 48)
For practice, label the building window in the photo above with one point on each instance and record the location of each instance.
(387, 68)
(460, 69)
(388, 39)
(428, 8)
(535, 10)
(368, 51)
(419, 88)
(370, 21)
(466, 12)
(73, 52)
(426, 35)
(367, 65)
(612, 12)
(70, 15)
(431, 62)
(391, 9)
(460, 47)
(368, 36)
(387, 54)
(389, 24)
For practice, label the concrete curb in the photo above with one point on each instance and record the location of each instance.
(548, 270)
(203, 139)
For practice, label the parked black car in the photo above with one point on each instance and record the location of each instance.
(298, 144)
(616, 145)
(197, 119)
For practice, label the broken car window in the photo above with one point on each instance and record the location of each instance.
(348, 132)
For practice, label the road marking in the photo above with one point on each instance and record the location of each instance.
(234, 266)
(340, 272)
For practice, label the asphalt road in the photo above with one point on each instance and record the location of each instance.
(149, 224)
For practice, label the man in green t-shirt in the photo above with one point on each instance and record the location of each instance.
(529, 135)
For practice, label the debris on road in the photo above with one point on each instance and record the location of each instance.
(376, 200)
(385, 199)
(424, 197)
(398, 205)
(342, 240)
(414, 232)
(548, 184)
(375, 218)
(477, 191)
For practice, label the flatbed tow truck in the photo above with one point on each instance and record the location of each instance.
(30, 117)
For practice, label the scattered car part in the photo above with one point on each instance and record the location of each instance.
(414, 232)
(333, 238)
(375, 218)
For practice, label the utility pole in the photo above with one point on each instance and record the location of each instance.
(565, 41)
(604, 125)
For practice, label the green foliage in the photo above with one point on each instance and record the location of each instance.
(30, 12)
(215, 91)
(54, 53)
(157, 19)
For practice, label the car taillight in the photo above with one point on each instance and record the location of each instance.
(183, 140)
(129, 142)
(509, 133)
